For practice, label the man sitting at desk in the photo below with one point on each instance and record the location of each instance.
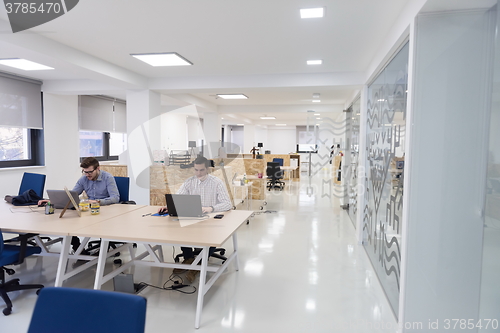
(99, 185)
(214, 198)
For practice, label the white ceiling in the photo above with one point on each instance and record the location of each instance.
(257, 47)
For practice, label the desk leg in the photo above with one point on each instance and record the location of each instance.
(235, 247)
(201, 286)
(63, 261)
(99, 274)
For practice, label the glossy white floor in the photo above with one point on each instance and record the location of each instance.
(301, 270)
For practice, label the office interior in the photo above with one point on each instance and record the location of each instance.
(409, 237)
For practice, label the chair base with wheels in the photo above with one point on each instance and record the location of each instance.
(14, 255)
(197, 251)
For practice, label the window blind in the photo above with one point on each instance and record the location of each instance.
(96, 114)
(20, 102)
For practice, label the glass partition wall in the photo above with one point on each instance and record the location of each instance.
(352, 181)
(490, 275)
(384, 165)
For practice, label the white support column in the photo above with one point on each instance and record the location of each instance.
(143, 130)
(248, 138)
(211, 129)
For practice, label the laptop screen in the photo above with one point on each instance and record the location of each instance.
(59, 198)
(184, 205)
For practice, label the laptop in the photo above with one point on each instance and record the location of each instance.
(184, 205)
(59, 198)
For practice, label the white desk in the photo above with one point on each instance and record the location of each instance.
(246, 192)
(153, 231)
(125, 223)
(32, 219)
(288, 170)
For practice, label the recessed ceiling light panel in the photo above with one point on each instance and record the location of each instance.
(24, 64)
(316, 100)
(280, 124)
(232, 96)
(314, 62)
(266, 117)
(163, 59)
(312, 12)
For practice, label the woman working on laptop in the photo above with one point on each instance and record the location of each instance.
(214, 198)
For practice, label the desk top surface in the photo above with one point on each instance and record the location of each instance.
(123, 222)
(165, 229)
(32, 219)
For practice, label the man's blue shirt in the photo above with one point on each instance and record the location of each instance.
(103, 188)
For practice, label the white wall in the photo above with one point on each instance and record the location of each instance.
(445, 169)
(261, 136)
(174, 133)
(236, 137)
(281, 141)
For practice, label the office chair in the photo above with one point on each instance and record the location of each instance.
(60, 309)
(274, 175)
(14, 255)
(33, 181)
(123, 184)
(217, 253)
(278, 160)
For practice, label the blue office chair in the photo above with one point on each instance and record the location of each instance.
(33, 181)
(123, 184)
(14, 255)
(60, 309)
(278, 160)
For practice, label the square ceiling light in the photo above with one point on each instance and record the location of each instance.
(24, 64)
(314, 62)
(266, 117)
(312, 12)
(163, 59)
(232, 96)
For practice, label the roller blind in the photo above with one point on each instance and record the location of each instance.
(20, 102)
(97, 114)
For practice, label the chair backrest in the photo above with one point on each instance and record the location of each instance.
(1, 242)
(273, 170)
(278, 160)
(75, 310)
(123, 184)
(34, 181)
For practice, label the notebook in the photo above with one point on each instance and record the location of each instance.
(184, 205)
(59, 198)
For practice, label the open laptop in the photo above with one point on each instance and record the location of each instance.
(184, 205)
(59, 198)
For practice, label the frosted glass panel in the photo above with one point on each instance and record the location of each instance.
(490, 275)
(352, 185)
(386, 121)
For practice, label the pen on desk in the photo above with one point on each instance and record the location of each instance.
(146, 214)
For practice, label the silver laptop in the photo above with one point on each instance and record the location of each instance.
(184, 205)
(59, 198)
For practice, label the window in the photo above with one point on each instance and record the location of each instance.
(21, 128)
(103, 146)
(102, 127)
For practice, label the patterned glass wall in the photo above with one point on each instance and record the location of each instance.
(352, 186)
(385, 129)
